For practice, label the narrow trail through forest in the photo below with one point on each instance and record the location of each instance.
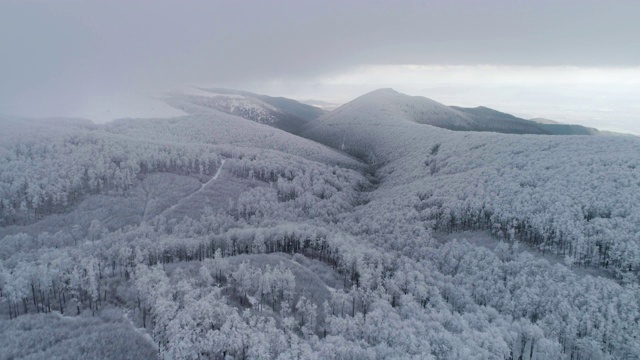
(213, 178)
(142, 331)
(146, 201)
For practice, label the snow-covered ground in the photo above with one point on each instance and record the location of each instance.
(485, 239)
(293, 249)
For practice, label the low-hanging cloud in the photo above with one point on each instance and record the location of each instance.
(60, 55)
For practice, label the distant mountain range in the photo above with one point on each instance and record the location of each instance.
(545, 121)
(296, 117)
(493, 120)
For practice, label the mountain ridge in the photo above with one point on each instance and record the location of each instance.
(298, 118)
(279, 112)
(423, 110)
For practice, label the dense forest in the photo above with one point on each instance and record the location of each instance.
(248, 242)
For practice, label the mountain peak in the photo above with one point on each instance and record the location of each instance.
(381, 93)
(387, 106)
(384, 90)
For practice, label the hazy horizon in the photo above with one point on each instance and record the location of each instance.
(572, 62)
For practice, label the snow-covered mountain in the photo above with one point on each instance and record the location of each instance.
(212, 235)
(492, 120)
(296, 117)
(572, 170)
(545, 121)
(279, 112)
(392, 107)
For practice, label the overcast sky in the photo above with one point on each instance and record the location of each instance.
(573, 60)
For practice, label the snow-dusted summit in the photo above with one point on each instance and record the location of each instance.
(389, 107)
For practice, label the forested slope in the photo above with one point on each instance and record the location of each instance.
(313, 254)
(493, 120)
(282, 113)
(574, 196)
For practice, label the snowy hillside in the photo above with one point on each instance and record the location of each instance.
(392, 106)
(47, 169)
(282, 113)
(492, 120)
(218, 128)
(522, 185)
(216, 236)
(574, 197)
(238, 105)
(305, 112)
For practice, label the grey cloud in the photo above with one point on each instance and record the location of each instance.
(56, 53)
